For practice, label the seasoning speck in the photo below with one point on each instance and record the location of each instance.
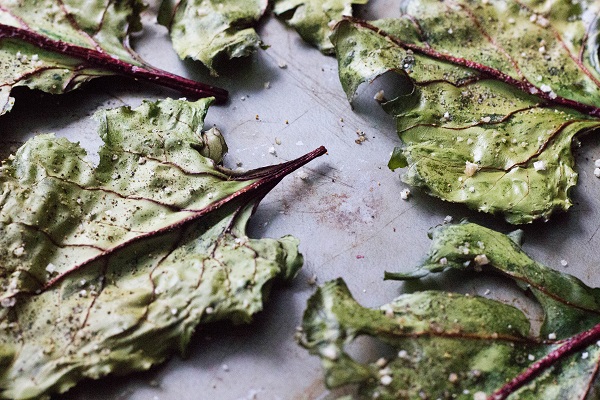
(404, 194)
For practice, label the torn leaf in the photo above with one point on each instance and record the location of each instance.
(109, 270)
(505, 85)
(55, 46)
(208, 31)
(449, 345)
(314, 19)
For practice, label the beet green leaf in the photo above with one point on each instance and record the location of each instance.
(55, 46)
(450, 345)
(110, 269)
(490, 98)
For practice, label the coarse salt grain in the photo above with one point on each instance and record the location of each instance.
(18, 252)
(386, 380)
(302, 174)
(539, 165)
(470, 168)
(481, 259)
(479, 396)
(404, 194)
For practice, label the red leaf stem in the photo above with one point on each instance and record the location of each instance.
(264, 183)
(523, 85)
(103, 60)
(569, 346)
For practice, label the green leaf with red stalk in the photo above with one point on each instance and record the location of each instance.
(110, 269)
(490, 96)
(449, 345)
(56, 45)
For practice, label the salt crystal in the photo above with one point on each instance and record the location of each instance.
(386, 380)
(404, 194)
(302, 174)
(480, 396)
(471, 168)
(539, 165)
(18, 252)
(8, 302)
(330, 352)
(481, 259)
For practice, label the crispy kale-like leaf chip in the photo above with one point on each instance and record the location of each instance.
(206, 30)
(109, 270)
(490, 98)
(314, 19)
(56, 45)
(449, 345)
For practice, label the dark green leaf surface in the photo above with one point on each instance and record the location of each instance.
(450, 345)
(110, 269)
(206, 30)
(314, 19)
(492, 97)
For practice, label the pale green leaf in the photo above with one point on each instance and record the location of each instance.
(207, 30)
(55, 46)
(491, 96)
(314, 19)
(449, 345)
(110, 269)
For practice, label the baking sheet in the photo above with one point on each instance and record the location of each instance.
(348, 214)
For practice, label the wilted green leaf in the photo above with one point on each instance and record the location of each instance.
(110, 269)
(206, 30)
(448, 345)
(491, 98)
(314, 19)
(55, 46)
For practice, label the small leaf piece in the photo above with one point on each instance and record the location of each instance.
(55, 46)
(504, 86)
(110, 269)
(314, 19)
(206, 31)
(452, 345)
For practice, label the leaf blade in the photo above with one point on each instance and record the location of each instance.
(471, 97)
(111, 269)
